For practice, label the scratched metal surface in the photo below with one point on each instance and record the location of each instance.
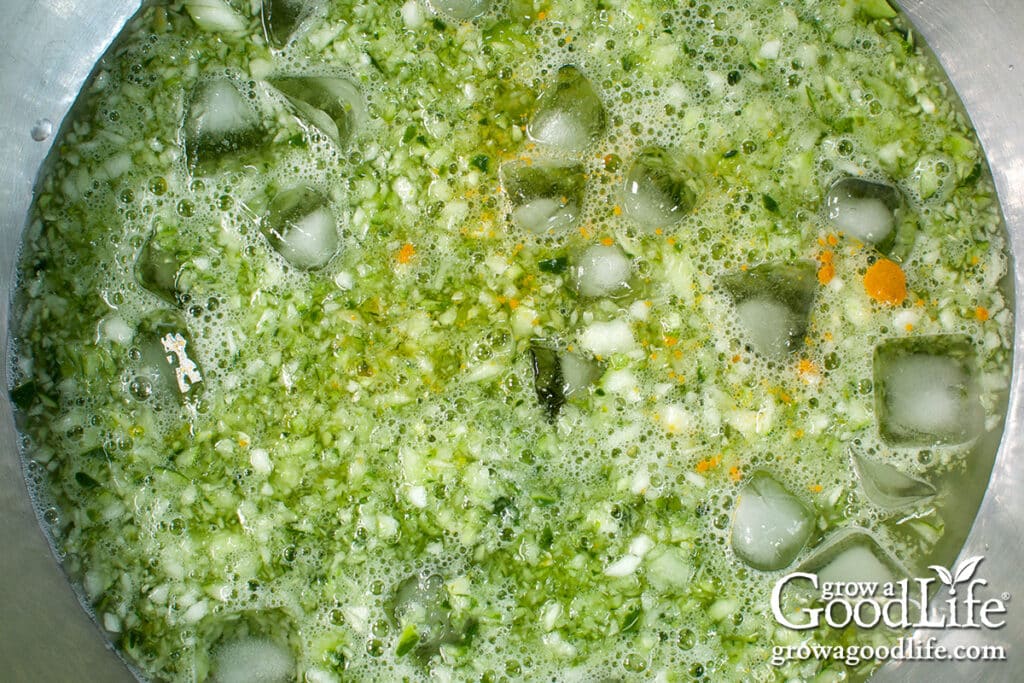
(48, 48)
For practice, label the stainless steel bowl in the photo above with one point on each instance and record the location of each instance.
(48, 48)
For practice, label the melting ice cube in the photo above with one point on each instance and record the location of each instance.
(925, 392)
(461, 9)
(656, 193)
(603, 270)
(548, 380)
(301, 227)
(282, 19)
(219, 120)
(853, 555)
(770, 525)
(420, 605)
(167, 363)
(253, 660)
(546, 197)
(773, 304)
(770, 325)
(868, 211)
(333, 105)
(888, 487)
(569, 114)
(578, 372)
(158, 265)
(559, 375)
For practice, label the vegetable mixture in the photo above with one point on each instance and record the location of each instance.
(514, 340)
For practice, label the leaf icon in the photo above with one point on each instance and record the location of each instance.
(944, 575)
(966, 569)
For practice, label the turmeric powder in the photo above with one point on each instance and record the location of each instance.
(885, 282)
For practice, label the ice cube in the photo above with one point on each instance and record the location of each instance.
(888, 487)
(282, 19)
(773, 304)
(925, 391)
(578, 372)
(461, 9)
(421, 606)
(253, 660)
(302, 228)
(548, 381)
(656, 193)
(770, 326)
(569, 114)
(559, 375)
(219, 121)
(868, 211)
(602, 270)
(334, 105)
(158, 265)
(853, 555)
(770, 525)
(546, 197)
(216, 16)
(166, 360)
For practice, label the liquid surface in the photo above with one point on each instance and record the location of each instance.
(503, 341)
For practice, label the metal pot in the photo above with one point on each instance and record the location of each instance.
(49, 48)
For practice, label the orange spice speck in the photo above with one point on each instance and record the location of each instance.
(709, 463)
(832, 240)
(584, 232)
(513, 304)
(617, 210)
(542, 15)
(406, 253)
(981, 313)
(885, 282)
(670, 341)
(736, 358)
(827, 270)
(815, 488)
(806, 367)
(607, 241)
(735, 473)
